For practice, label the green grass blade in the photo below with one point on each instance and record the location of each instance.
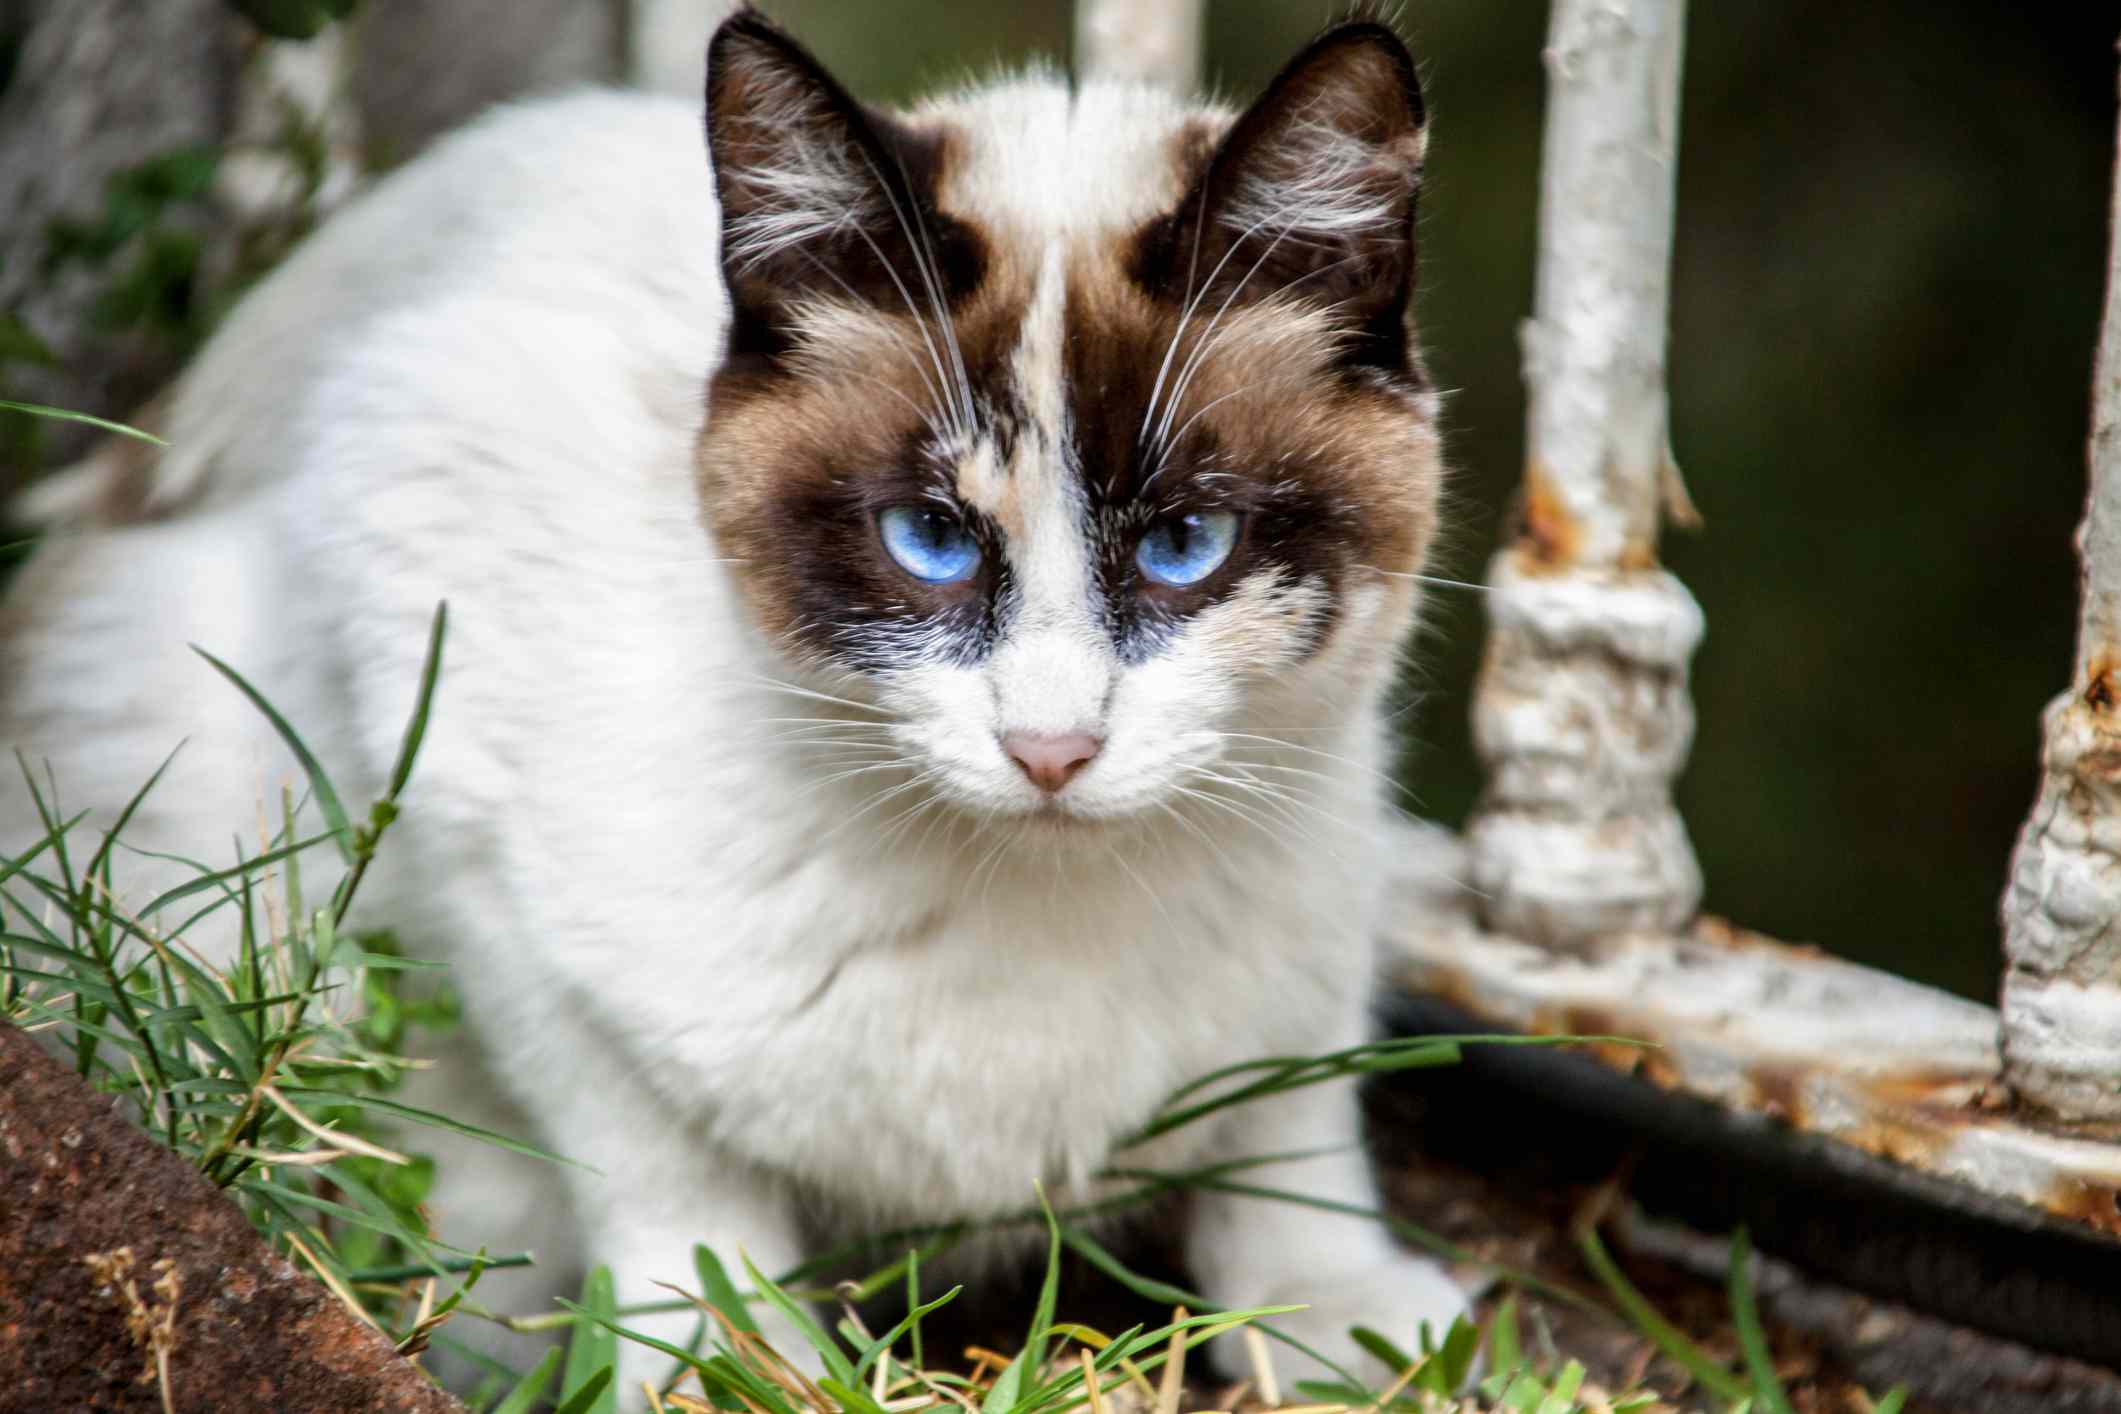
(597, 1395)
(726, 1378)
(1453, 1363)
(692, 1359)
(1381, 1349)
(1384, 1051)
(1645, 1317)
(423, 703)
(525, 1396)
(850, 1398)
(1309, 1071)
(99, 863)
(1505, 1349)
(246, 870)
(1007, 1392)
(1033, 1356)
(1893, 1401)
(828, 1349)
(592, 1350)
(428, 1118)
(911, 1322)
(64, 415)
(40, 1012)
(378, 1219)
(1096, 1254)
(1149, 1288)
(320, 787)
(1745, 1317)
(450, 1266)
(11, 867)
(1562, 1399)
(719, 1291)
(913, 1304)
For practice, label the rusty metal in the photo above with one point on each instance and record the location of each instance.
(1581, 713)
(127, 1281)
(1880, 1064)
(2062, 909)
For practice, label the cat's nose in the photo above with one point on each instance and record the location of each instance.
(1051, 761)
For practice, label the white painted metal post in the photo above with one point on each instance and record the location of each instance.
(1157, 41)
(2062, 908)
(1581, 713)
(665, 42)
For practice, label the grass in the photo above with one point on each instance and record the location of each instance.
(271, 1071)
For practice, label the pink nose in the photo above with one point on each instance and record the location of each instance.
(1051, 761)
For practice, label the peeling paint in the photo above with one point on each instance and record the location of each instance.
(1788, 1033)
(1551, 536)
(2062, 907)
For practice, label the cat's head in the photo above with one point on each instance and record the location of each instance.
(1082, 433)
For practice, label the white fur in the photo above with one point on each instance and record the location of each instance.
(695, 958)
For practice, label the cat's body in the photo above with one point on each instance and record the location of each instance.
(748, 903)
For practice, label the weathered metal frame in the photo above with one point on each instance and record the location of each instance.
(2062, 909)
(1582, 718)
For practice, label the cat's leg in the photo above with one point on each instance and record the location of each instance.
(661, 1189)
(1249, 1251)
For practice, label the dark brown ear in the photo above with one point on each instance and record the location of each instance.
(820, 197)
(1310, 195)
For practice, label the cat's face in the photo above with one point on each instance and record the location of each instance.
(1082, 435)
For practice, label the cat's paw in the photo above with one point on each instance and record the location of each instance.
(1392, 1297)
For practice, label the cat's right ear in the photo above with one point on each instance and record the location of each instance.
(821, 198)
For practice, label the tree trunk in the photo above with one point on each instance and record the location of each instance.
(97, 87)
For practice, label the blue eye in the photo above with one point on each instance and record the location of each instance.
(929, 544)
(1187, 549)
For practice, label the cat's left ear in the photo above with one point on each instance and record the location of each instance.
(1310, 195)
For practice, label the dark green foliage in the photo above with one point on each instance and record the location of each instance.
(292, 19)
(143, 235)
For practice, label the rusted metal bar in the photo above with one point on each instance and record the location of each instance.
(1871, 1061)
(1581, 712)
(128, 1282)
(1157, 41)
(2062, 908)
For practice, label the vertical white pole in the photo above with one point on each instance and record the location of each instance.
(1157, 41)
(1581, 713)
(665, 43)
(2062, 908)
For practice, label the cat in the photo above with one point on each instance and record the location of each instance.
(922, 589)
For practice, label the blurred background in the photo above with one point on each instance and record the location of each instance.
(1890, 255)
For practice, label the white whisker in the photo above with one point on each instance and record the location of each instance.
(1207, 338)
(1425, 579)
(777, 685)
(1155, 900)
(1185, 317)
